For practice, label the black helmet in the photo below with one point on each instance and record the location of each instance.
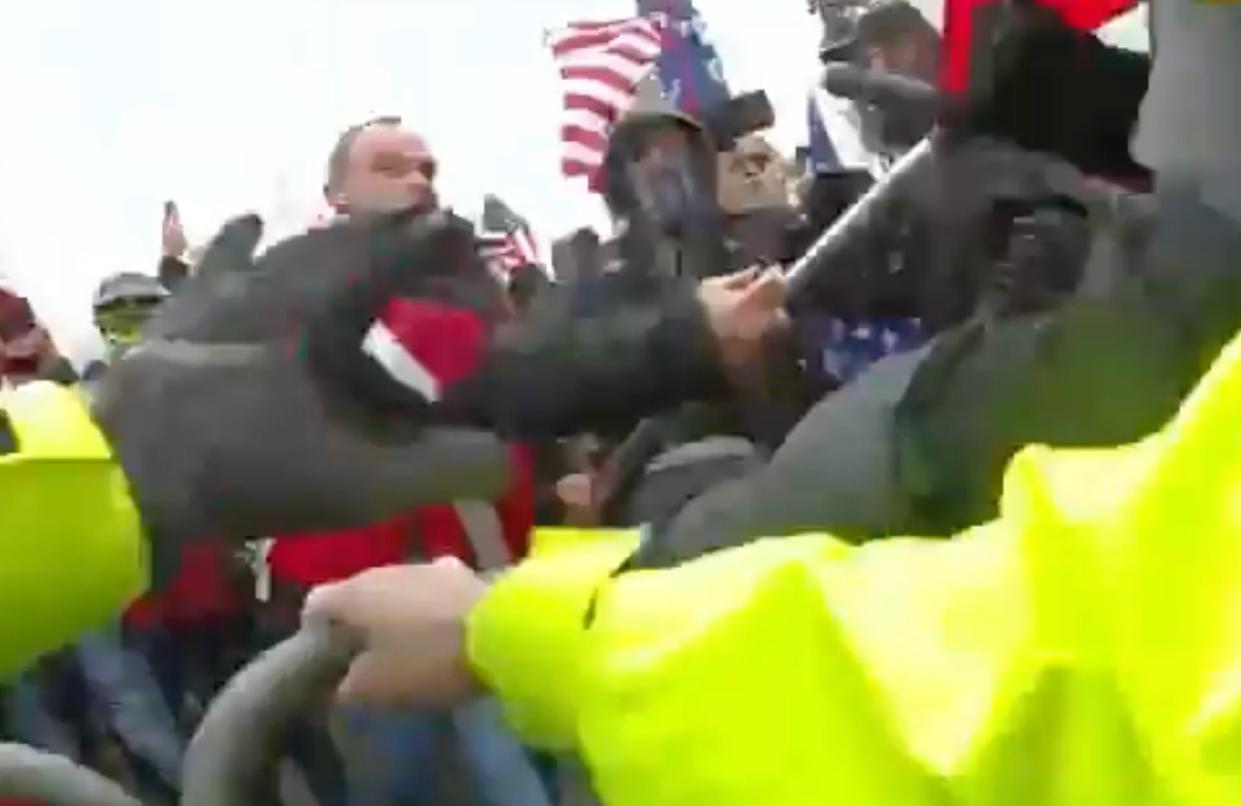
(840, 34)
(887, 20)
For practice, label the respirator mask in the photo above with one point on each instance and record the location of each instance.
(666, 205)
(671, 192)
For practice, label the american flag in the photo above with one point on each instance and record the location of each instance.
(505, 242)
(601, 64)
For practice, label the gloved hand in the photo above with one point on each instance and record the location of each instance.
(251, 409)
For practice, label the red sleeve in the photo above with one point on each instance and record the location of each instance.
(440, 534)
(450, 342)
(516, 508)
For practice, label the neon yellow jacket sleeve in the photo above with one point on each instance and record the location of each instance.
(72, 552)
(1085, 648)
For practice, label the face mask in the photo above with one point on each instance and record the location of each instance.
(672, 196)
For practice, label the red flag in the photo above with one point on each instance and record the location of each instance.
(966, 23)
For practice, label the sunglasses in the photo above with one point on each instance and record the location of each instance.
(124, 321)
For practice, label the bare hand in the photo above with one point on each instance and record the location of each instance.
(411, 619)
(585, 495)
(742, 309)
(174, 242)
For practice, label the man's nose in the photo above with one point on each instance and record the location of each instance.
(417, 180)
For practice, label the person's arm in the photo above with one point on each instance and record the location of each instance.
(1076, 650)
(172, 271)
(554, 373)
(72, 551)
(173, 268)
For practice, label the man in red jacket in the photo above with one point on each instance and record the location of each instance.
(379, 167)
(482, 534)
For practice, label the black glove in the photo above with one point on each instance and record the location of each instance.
(251, 409)
(1055, 89)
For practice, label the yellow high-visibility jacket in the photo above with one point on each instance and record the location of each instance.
(72, 551)
(1084, 648)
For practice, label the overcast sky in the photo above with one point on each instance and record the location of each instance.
(231, 105)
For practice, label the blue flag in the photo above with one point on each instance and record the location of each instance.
(689, 66)
(823, 157)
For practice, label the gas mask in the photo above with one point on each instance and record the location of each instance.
(671, 194)
(661, 189)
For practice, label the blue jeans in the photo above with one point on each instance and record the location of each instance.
(99, 685)
(29, 719)
(399, 750)
(191, 663)
(131, 704)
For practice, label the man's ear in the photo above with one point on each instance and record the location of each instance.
(336, 199)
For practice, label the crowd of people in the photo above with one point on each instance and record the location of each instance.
(661, 380)
(127, 698)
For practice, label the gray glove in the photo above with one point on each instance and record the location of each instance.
(250, 408)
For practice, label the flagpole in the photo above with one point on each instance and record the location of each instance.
(858, 219)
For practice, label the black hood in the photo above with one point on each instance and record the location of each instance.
(625, 144)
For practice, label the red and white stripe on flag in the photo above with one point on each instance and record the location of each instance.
(506, 252)
(600, 66)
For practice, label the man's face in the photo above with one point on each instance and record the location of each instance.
(664, 175)
(121, 323)
(751, 177)
(666, 145)
(23, 356)
(390, 169)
